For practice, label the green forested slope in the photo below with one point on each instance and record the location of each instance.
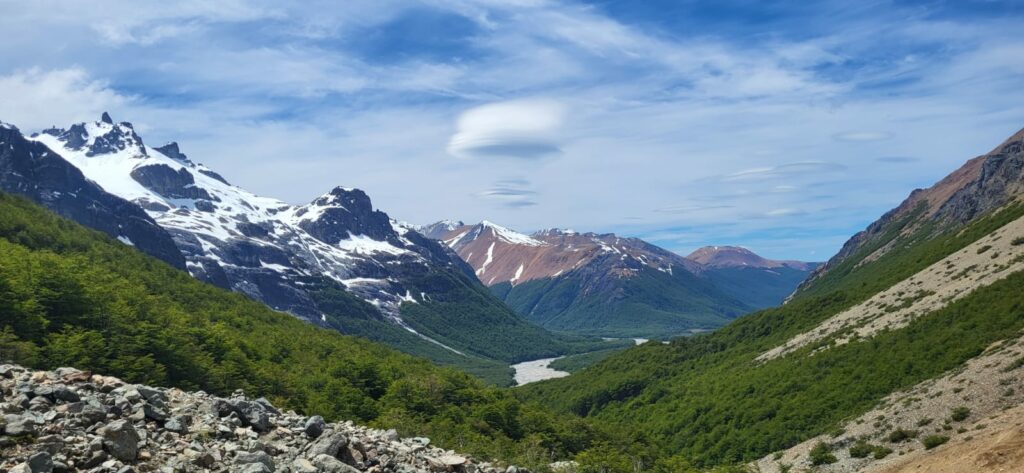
(705, 399)
(73, 297)
(650, 304)
(758, 288)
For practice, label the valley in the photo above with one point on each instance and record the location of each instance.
(474, 236)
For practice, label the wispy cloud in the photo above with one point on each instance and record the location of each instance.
(640, 117)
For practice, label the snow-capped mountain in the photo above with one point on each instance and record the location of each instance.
(308, 260)
(31, 169)
(252, 244)
(499, 254)
(608, 285)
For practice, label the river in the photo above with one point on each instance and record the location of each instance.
(538, 370)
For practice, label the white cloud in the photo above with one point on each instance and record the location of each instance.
(516, 129)
(34, 99)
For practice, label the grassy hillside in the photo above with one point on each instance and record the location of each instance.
(73, 297)
(650, 304)
(706, 400)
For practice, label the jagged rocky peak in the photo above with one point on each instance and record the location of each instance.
(171, 150)
(344, 212)
(100, 137)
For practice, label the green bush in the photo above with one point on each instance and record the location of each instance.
(861, 449)
(933, 441)
(901, 435)
(1017, 241)
(882, 452)
(960, 414)
(821, 454)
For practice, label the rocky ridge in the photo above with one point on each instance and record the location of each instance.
(982, 184)
(70, 420)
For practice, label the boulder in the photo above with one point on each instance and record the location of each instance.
(314, 427)
(121, 440)
(330, 443)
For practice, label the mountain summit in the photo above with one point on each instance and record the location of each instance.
(610, 285)
(737, 256)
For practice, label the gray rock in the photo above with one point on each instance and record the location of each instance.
(176, 425)
(301, 465)
(19, 425)
(56, 393)
(247, 458)
(329, 464)
(40, 463)
(254, 415)
(152, 396)
(90, 414)
(152, 412)
(330, 443)
(121, 440)
(314, 426)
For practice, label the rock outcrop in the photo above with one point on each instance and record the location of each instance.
(69, 420)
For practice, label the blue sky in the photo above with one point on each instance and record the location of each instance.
(781, 126)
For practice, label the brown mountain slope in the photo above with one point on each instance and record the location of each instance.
(984, 183)
(499, 254)
(737, 257)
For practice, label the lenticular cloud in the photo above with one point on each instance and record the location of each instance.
(526, 129)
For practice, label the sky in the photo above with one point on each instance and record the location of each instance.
(784, 127)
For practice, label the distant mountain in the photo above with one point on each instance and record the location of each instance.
(903, 353)
(756, 281)
(739, 257)
(604, 284)
(335, 262)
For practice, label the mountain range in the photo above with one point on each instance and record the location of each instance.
(336, 262)
(902, 353)
(603, 284)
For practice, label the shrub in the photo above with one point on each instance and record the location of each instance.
(960, 414)
(933, 441)
(1017, 241)
(821, 454)
(984, 249)
(882, 452)
(901, 435)
(861, 449)
(924, 422)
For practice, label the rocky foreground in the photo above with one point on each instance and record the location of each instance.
(70, 420)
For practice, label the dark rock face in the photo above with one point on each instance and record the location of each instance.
(32, 170)
(1000, 181)
(349, 213)
(214, 175)
(172, 151)
(169, 183)
(117, 138)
